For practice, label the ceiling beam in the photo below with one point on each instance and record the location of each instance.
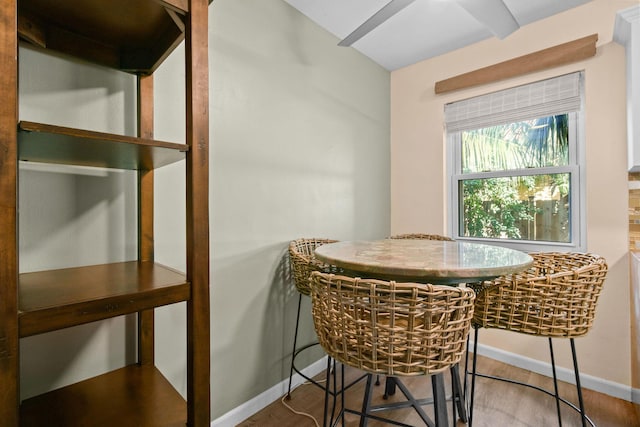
(493, 14)
(381, 16)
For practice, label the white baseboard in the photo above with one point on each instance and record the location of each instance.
(587, 381)
(247, 409)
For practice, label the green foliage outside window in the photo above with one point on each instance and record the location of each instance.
(493, 208)
(530, 207)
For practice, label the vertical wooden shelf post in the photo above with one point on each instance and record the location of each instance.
(9, 347)
(197, 76)
(145, 217)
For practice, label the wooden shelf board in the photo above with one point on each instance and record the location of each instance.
(57, 144)
(133, 396)
(56, 299)
(130, 35)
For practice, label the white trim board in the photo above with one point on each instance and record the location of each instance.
(264, 399)
(587, 381)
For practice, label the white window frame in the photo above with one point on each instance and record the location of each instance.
(577, 185)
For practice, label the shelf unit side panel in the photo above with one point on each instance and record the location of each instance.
(197, 166)
(9, 343)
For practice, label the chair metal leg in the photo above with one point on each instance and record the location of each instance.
(342, 395)
(439, 400)
(555, 381)
(417, 404)
(455, 398)
(295, 342)
(335, 391)
(577, 373)
(457, 394)
(326, 395)
(473, 374)
(465, 384)
(389, 387)
(585, 419)
(366, 402)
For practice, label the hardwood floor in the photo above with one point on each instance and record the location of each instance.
(498, 403)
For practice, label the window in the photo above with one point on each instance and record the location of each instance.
(515, 163)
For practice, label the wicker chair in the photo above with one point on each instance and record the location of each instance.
(395, 329)
(390, 385)
(303, 262)
(421, 236)
(555, 298)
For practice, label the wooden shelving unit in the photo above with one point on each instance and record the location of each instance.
(133, 36)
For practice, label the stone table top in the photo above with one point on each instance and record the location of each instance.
(425, 261)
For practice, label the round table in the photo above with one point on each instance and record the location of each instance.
(425, 261)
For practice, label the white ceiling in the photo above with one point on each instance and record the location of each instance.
(424, 29)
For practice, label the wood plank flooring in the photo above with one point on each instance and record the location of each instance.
(497, 403)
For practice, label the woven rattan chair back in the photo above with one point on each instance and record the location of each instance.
(556, 297)
(303, 261)
(397, 329)
(421, 236)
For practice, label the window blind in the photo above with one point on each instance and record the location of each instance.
(549, 97)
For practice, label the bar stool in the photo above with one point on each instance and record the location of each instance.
(390, 385)
(394, 329)
(303, 262)
(555, 298)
